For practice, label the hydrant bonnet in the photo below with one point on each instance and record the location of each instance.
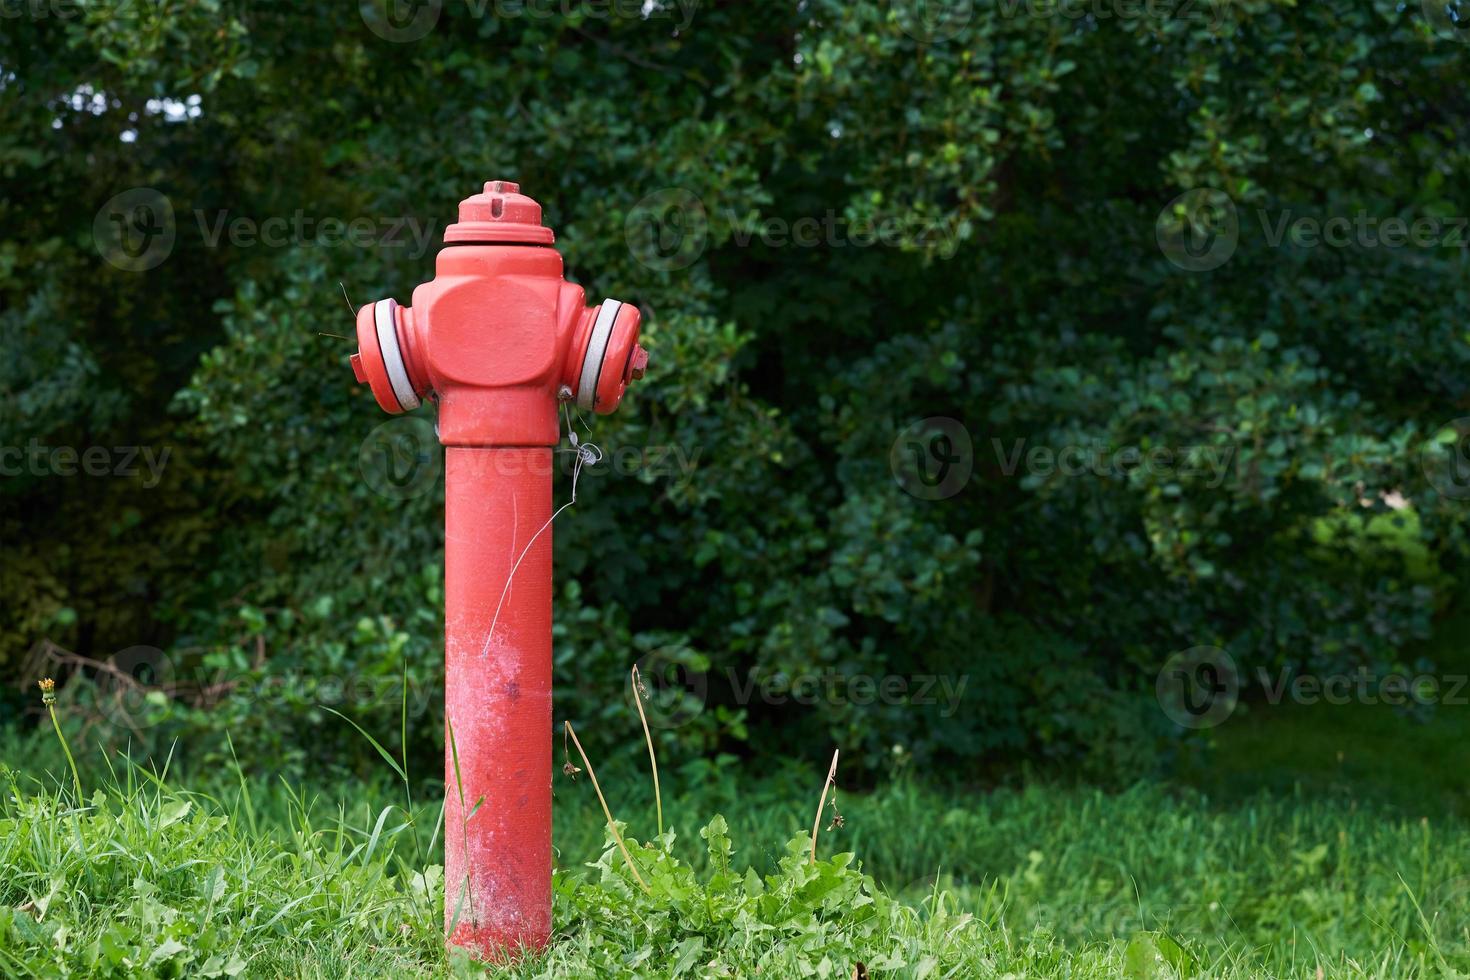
(498, 323)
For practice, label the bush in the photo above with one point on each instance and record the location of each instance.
(1033, 282)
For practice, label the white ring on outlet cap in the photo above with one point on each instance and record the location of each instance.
(385, 315)
(596, 349)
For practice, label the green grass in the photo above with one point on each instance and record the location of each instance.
(1315, 841)
(260, 880)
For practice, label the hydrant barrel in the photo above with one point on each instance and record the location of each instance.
(496, 341)
(497, 698)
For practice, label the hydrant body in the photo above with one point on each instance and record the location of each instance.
(498, 340)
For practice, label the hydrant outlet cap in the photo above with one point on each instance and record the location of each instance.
(500, 215)
(380, 361)
(613, 357)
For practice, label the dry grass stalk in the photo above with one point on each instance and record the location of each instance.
(817, 823)
(638, 695)
(587, 764)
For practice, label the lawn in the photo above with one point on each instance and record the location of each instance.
(1324, 840)
(252, 878)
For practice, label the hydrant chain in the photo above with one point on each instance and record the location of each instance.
(588, 453)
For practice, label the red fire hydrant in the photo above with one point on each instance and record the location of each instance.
(498, 339)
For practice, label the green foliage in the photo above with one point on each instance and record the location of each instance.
(146, 881)
(1022, 161)
(256, 878)
(802, 919)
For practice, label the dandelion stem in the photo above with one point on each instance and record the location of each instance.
(48, 698)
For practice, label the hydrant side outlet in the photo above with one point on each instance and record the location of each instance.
(494, 339)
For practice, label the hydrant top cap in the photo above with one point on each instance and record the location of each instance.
(501, 214)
